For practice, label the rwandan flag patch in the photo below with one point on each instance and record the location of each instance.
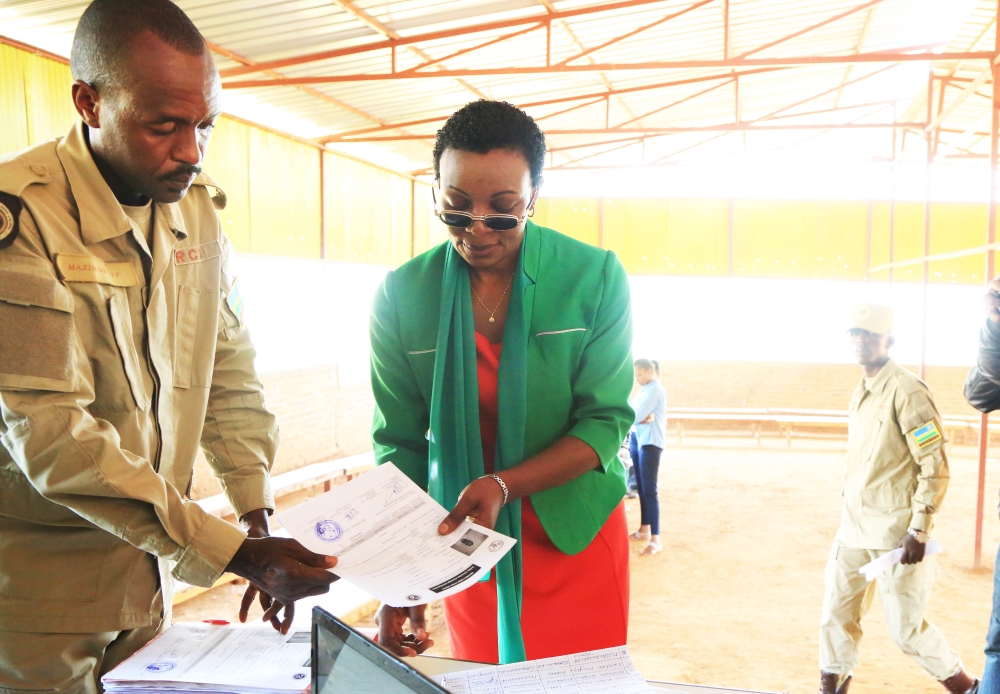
(926, 434)
(235, 301)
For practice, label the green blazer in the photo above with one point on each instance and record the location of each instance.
(579, 371)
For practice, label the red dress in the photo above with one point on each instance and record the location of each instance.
(569, 603)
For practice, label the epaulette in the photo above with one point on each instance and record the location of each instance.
(910, 382)
(20, 172)
(219, 198)
(16, 175)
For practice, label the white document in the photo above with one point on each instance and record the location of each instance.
(874, 568)
(383, 529)
(206, 657)
(609, 671)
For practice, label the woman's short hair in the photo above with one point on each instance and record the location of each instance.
(647, 365)
(482, 126)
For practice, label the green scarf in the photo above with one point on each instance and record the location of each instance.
(456, 453)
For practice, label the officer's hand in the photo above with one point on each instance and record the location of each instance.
(255, 525)
(283, 569)
(480, 501)
(992, 301)
(913, 551)
(390, 621)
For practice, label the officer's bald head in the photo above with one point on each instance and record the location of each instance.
(107, 33)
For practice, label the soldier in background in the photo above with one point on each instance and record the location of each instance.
(123, 346)
(896, 478)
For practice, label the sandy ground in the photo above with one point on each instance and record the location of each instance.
(734, 598)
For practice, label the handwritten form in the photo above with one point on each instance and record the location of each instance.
(608, 670)
(383, 529)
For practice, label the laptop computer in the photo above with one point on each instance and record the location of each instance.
(344, 661)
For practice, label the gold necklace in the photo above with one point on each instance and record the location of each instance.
(498, 303)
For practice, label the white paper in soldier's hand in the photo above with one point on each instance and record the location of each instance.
(383, 529)
(874, 568)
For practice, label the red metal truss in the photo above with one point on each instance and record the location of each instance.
(590, 96)
(634, 32)
(389, 44)
(876, 57)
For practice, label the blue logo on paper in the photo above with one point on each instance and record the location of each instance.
(160, 667)
(329, 531)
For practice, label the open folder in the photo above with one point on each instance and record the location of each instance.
(214, 658)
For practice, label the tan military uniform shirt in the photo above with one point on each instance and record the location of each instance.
(116, 361)
(897, 471)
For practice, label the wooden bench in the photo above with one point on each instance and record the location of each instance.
(328, 473)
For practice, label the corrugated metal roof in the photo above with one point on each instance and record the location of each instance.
(267, 30)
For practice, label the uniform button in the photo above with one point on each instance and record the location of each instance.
(38, 169)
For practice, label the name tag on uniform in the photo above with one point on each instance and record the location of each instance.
(197, 254)
(926, 434)
(88, 268)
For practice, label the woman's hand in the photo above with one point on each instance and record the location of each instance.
(390, 621)
(480, 501)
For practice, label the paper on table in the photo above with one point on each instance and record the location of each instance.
(874, 568)
(383, 529)
(205, 657)
(594, 672)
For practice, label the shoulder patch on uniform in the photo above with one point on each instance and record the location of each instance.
(10, 214)
(235, 301)
(926, 434)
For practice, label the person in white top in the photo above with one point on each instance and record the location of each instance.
(646, 444)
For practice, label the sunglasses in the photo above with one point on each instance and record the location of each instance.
(464, 220)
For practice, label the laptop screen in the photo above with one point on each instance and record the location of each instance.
(345, 661)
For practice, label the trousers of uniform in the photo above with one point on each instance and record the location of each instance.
(64, 663)
(903, 592)
(991, 671)
(646, 462)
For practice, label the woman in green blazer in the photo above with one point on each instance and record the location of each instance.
(501, 367)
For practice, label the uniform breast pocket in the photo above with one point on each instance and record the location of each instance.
(110, 342)
(871, 433)
(197, 325)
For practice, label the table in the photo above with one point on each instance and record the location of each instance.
(432, 665)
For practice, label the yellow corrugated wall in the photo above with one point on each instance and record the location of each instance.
(228, 163)
(35, 103)
(284, 196)
(47, 85)
(367, 212)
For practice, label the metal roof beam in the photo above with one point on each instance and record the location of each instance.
(592, 97)
(969, 90)
(226, 53)
(722, 127)
(813, 27)
(675, 103)
(880, 57)
(634, 32)
(434, 35)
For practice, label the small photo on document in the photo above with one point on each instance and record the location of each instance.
(469, 542)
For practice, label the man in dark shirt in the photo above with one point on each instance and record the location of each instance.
(982, 390)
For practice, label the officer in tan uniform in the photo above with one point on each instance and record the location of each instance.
(123, 347)
(896, 478)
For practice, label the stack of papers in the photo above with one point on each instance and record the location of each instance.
(873, 569)
(607, 671)
(383, 529)
(209, 658)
